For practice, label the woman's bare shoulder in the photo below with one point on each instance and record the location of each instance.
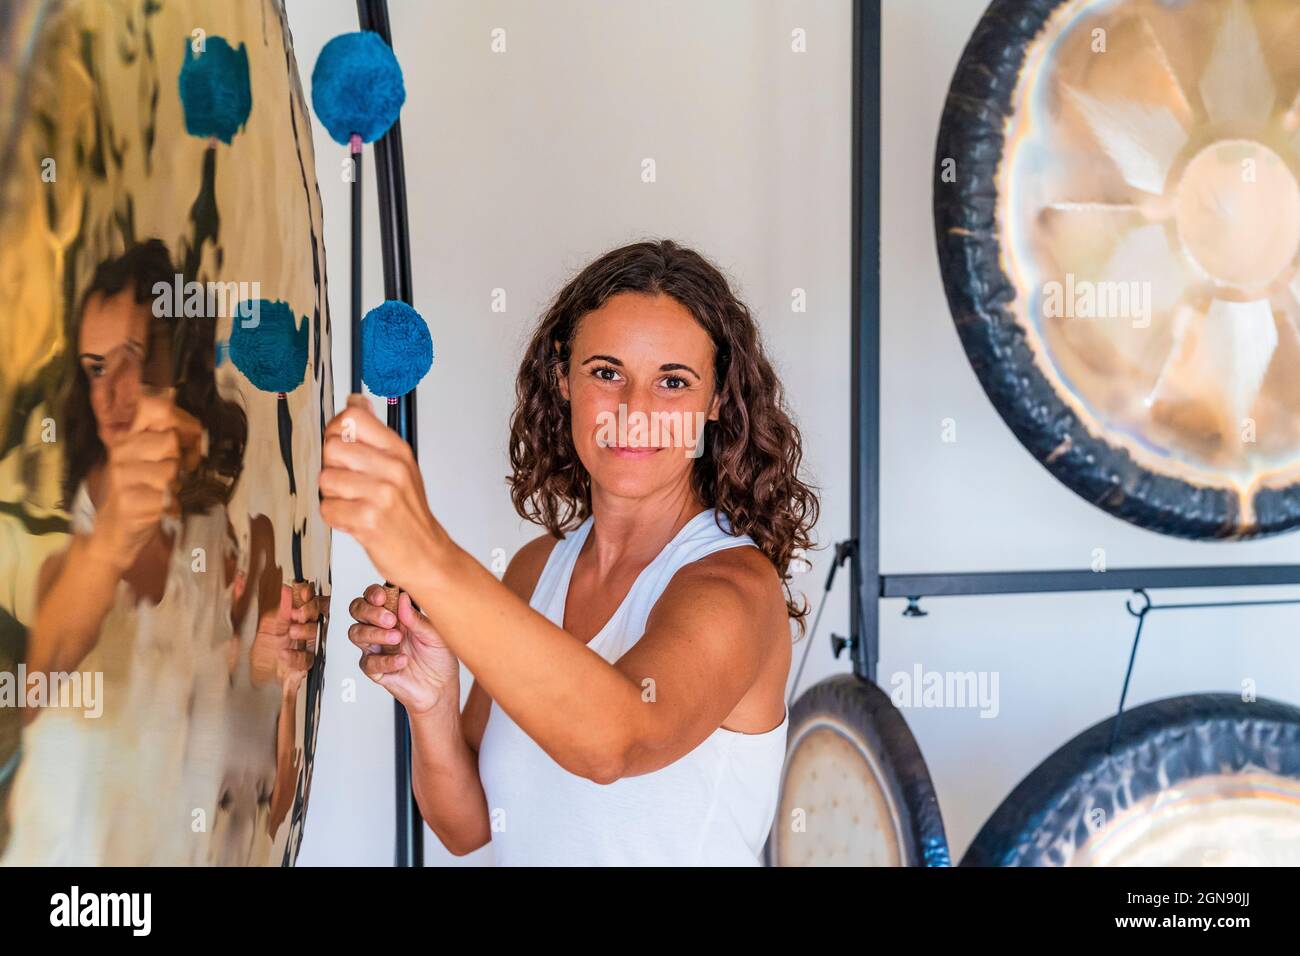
(746, 567)
(526, 566)
(742, 577)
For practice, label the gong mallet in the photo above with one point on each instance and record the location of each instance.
(397, 352)
(357, 93)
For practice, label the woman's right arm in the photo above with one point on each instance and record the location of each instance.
(425, 676)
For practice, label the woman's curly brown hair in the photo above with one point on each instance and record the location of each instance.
(749, 469)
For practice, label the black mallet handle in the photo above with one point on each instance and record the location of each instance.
(356, 265)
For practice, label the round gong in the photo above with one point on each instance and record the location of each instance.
(160, 654)
(1117, 208)
(1204, 780)
(855, 790)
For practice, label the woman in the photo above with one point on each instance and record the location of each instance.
(630, 669)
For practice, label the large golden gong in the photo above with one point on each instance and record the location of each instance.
(164, 572)
(1117, 204)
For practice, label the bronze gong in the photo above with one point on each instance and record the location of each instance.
(1117, 206)
(158, 694)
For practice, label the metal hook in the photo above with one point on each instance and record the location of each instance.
(1141, 615)
(913, 608)
(1128, 603)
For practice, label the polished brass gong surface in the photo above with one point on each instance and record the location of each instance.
(160, 656)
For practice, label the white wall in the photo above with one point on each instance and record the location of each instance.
(523, 166)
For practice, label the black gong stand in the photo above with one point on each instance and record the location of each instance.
(395, 242)
(870, 586)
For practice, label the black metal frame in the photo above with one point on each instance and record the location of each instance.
(394, 238)
(870, 587)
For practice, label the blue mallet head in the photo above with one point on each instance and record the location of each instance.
(215, 93)
(396, 349)
(267, 345)
(356, 87)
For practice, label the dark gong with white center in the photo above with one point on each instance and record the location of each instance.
(1204, 780)
(855, 790)
(1117, 211)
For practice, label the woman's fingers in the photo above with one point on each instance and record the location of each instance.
(345, 483)
(363, 610)
(411, 619)
(379, 666)
(366, 636)
(358, 424)
(355, 518)
(367, 460)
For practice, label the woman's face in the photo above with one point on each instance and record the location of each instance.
(640, 386)
(112, 348)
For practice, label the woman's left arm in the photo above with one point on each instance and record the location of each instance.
(704, 644)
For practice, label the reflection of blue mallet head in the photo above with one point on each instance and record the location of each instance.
(216, 97)
(396, 349)
(269, 347)
(356, 87)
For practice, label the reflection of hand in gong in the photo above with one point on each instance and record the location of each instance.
(285, 644)
(143, 476)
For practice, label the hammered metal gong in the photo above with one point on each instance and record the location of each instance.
(157, 177)
(1203, 780)
(1117, 206)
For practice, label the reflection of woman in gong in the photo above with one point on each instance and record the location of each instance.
(630, 669)
(133, 438)
(133, 597)
(130, 451)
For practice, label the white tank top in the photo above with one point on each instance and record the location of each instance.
(712, 807)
